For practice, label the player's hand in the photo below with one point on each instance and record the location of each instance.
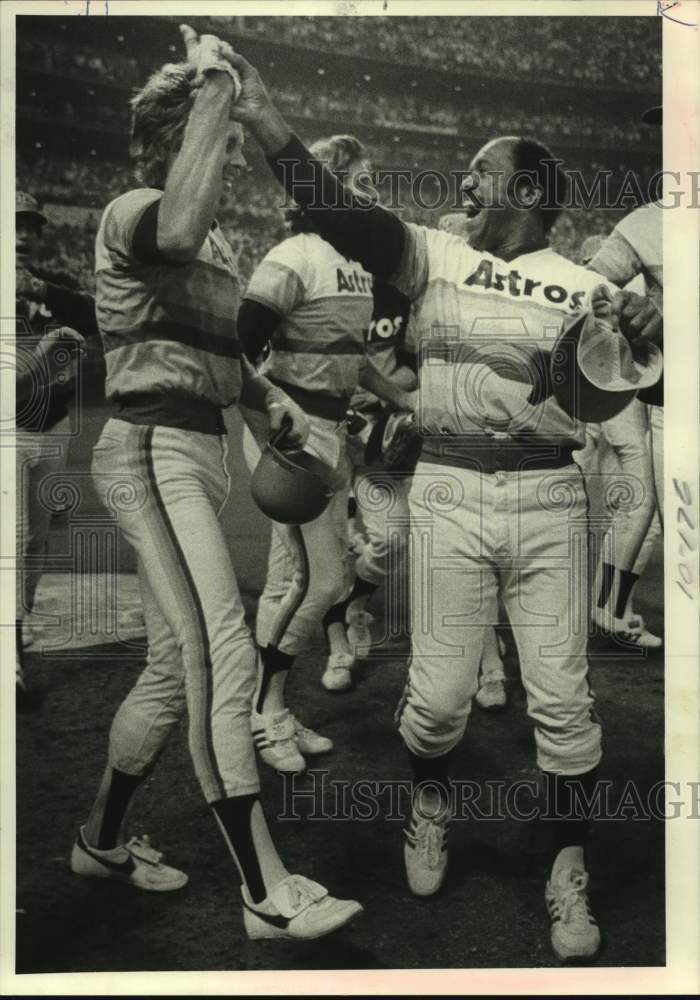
(28, 286)
(638, 319)
(209, 54)
(410, 401)
(283, 411)
(255, 108)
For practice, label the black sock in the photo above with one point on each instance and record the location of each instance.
(608, 578)
(627, 581)
(566, 813)
(121, 787)
(273, 662)
(234, 817)
(337, 613)
(352, 507)
(433, 771)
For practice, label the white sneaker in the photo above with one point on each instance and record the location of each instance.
(491, 696)
(309, 741)
(296, 908)
(337, 676)
(632, 629)
(359, 635)
(574, 933)
(425, 850)
(274, 739)
(135, 863)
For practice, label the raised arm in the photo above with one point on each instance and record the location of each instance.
(194, 183)
(357, 228)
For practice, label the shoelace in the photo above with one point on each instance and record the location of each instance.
(303, 893)
(429, 840)
(141, 848)
(574, 905)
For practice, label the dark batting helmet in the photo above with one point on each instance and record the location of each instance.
(291, 486)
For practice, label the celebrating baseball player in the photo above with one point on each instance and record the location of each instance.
(313, 306)
(167, 300)
(497, 504)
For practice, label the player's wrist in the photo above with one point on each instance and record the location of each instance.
(270, 130)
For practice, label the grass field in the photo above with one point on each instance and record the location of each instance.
(490, 913)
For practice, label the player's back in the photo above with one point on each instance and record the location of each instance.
(324, 304)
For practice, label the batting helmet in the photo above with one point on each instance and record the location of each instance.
(291, 486)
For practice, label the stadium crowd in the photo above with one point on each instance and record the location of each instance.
(453, 116)
(472, 44)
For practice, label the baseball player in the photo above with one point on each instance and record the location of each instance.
(636, 528)
(513, 522)
(167, 300)
(313, 306)
(635, 248)
(53, 322)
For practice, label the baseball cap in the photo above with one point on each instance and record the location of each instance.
(654, 116)
(26, 204)
(595, 373)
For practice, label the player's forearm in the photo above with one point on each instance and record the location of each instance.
(391, 391)
(193, 187)
(357, 229)
(258, 392)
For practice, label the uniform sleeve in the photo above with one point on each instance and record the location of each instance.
(281, 280)
(122, 217)
(617, 260)
(411, 276)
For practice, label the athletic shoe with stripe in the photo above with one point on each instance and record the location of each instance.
(274, 738)
(575, 933)
(310, 741)
(135, 863)
(632, 629)
(296, 908)
(425, 850)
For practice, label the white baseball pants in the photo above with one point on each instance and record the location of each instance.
(167, 488)
(522, 537)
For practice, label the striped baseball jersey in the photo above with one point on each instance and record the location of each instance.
(483, 330)
(324, 303)
(166, 327)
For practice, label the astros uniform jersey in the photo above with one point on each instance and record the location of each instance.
(324, 303)
(483, 329)
(166, 327)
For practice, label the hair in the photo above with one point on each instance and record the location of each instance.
(159, 113)
(338, 153)
(536, 159)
